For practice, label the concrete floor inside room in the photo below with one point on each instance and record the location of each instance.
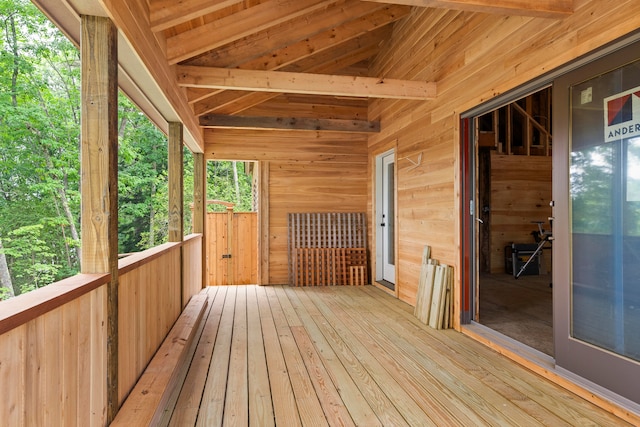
(520, 309)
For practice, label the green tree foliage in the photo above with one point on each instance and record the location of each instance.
(221, 185)
(40, 161)
(39, 131)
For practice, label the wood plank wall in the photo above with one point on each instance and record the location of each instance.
(473, 57)
(308, 172)
(520, 193)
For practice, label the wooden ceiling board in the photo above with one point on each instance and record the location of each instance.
(326, 108)
(361, 31)
(165, 14)
(242, 102)
(262, 43)
(234, 27)
(539, 8)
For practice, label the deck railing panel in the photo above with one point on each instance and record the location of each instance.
(53, 340)
(149, 303)
(52, 367)
(192, 271)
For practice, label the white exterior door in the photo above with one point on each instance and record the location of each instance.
(385, 217)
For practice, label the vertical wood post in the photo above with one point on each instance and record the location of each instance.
(231, 280)
(263, 215)
(176, 194)
(200, 206)
(99, 179)
(176, 186)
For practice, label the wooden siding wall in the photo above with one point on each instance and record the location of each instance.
(473, 57)
(308, 172)
(520, 193)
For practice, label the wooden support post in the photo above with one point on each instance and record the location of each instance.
(200, 206)
(176, 188)
(230, 276)
(263, 215)
(99, 180)
(176, 194)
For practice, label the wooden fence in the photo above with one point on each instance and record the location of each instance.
(53, 340)
(232, 248)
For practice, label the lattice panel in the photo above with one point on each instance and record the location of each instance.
(327, 249)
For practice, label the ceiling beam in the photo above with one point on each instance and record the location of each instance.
(316, 84)
(165, 14)
(221, 104)
(556, 9)
(288, 123)
(238, 25)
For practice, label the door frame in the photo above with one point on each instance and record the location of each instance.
(378, 203)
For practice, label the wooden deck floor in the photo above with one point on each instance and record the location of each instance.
(354, 356)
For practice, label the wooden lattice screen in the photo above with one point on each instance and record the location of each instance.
(327, 249)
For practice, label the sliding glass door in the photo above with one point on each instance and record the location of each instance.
(597, 248)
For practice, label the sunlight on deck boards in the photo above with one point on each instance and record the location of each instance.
(272, 355)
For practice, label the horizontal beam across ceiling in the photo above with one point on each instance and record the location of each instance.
(288, 123)
(541, 8)
(305, 83)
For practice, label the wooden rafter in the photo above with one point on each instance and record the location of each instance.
(238, 25)
(164, 14)
(541, 8)
(288, 123)
(318, 84)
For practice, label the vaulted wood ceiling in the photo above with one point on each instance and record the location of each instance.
(280, 58)
(275, 63)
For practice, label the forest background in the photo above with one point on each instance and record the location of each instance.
(40, 160)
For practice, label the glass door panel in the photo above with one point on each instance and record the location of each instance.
(605, 130)
(596, 251)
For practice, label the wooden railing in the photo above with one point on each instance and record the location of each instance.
(53, 340)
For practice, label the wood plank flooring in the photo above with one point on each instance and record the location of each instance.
(354, 356)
